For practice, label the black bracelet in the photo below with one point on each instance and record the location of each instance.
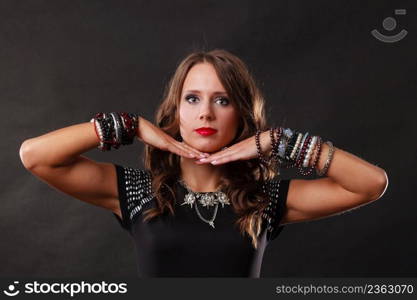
(275, 143)
(258, 147)
(115, 129)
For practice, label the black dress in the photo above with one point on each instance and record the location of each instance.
(184, 245)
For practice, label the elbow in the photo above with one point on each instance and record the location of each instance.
(381, 186)
(26, 155)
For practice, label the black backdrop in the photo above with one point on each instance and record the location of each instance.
(317, 63)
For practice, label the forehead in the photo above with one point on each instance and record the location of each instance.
(202, 77)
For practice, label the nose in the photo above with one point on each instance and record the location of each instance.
(206, 111)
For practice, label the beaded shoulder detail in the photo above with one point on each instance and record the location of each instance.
(138, 189)
(270, 213)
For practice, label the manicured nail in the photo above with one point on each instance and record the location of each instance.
(203, 159)
(214, 162)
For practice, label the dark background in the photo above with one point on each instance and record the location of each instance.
(320, 70)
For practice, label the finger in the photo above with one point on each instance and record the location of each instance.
(189, 152)
(219, 158)
(219, 155)
(192, 150)
(181, 151)
(225, 159)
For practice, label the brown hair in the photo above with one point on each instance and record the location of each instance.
(240, 178)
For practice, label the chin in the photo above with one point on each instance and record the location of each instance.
(212, 149)
(206, 147)
(209, 149)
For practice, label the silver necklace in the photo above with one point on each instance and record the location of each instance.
(206, 199)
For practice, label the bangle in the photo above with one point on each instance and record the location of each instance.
(330, 154)
(115, 129)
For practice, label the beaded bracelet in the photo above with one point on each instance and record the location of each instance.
(103, 130)
(258, 147)
(275, 142)
(115, 129)
(306, 163)
(317, 152)
(294, 149)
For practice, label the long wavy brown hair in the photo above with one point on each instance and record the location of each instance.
(240, 179)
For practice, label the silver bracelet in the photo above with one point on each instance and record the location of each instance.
(323, 171)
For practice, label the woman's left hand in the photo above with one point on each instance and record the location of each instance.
(243, 150)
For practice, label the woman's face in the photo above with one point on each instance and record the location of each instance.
(205, 103)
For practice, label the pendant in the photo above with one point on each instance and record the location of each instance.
(211, 223)
(189, 199)
(222, 198)
(207, 199)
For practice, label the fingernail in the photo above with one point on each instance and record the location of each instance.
(214, 162)
(203, 159)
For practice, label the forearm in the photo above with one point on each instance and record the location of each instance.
(352, 173)
(59, 147)
(349, 171)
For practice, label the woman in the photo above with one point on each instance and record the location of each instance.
(209, 200)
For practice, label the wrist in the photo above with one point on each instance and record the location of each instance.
(266, 143)
(138, 128)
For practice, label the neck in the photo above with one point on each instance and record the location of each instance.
(200, 178)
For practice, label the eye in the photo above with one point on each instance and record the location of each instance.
(224, 100)
(190, 97)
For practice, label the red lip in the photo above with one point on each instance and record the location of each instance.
(206, 131)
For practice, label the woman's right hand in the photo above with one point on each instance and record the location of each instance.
(156, 137)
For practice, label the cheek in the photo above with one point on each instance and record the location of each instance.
(185, 117)
(182, 113)
(231, 121)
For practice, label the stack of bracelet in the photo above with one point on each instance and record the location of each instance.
(115, 129)
(294, 149)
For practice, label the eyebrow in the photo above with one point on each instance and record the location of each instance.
(215, 93)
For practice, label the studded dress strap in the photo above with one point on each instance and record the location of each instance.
(135, 190)
(276, 190)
